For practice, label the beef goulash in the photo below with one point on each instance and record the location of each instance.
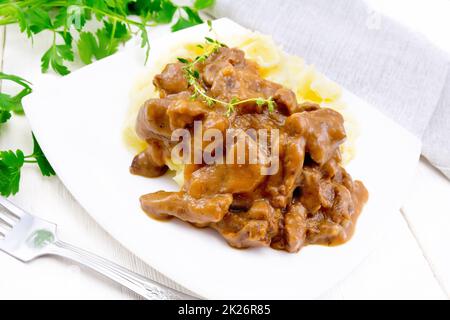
(311, 199)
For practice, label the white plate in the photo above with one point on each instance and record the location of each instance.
(78, 121)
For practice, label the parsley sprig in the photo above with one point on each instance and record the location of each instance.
(11, 164)
(12, 103)
(193, 77)
(119, 19)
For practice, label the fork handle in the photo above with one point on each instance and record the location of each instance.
(143, 286)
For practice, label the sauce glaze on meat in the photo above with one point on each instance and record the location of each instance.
(310, 200)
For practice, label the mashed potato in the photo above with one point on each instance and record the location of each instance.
(275, 65)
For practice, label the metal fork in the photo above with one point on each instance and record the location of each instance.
(26, 238)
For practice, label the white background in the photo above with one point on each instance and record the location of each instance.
(412, 262)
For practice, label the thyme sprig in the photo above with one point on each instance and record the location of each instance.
(193, 77)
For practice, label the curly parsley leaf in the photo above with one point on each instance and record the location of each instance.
(160, 11)
(66, 19)
(38, 155)
(145, 43)
(203, 4)
(87, 47)
(105, 41)
(193, 15)
(67, 37)
(38, 20)
(190, 19)
(10, 165)
(72, 15)
(4, 116)
(181, 23)
(12, 103)
(55, 57)
(165, 13)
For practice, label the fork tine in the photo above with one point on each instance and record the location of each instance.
(4, 230)
(6, 218)
(5, 221)
(12, 209)
(5, 227)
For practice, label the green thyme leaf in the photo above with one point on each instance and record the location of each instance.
(234, 101)
(230, 109)
(182, 60)
(260, 101)
(196, 74)
(200, 59)
(209, 102)
(271, 105)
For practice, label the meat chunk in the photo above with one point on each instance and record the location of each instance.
(262, 210)
(280, 186)
(150, 162)
(322, 230)
(232, 176)
(152, 120)
(307, 106)
(225, 57)
(215, 120)
(224, 178)
(335, 224)
(342, 208)
(157, 118)
(286, 101)
(360, 195)
(250, 233)
(323, 130)
(171, 80)
(331, 169)
(231, 83)
(315, 191)
(181, 205)
(229, 75)
(253, 228)
(183, 113)
(295, 227)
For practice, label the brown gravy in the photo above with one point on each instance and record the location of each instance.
(311, 199)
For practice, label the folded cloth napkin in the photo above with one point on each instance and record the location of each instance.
(396, 70)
